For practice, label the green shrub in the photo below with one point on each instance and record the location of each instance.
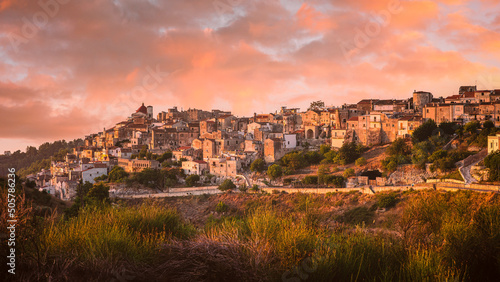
(274, 171)
(361, 161)
(227, 185)
(310, 180)
(334, 180)
(192, 179)
(387, 201)
(255, 188)
(348, 173)
(221, 207)
(258, 165)
(117, 174)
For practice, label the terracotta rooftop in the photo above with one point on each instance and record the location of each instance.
(453, 97)
(142, 109)
(468, 95)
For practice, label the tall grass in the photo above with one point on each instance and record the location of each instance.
(101, 238)
(440, 236)
(268, 236)
(115, 233)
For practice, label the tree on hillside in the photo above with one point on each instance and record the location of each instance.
(492, 162)
(398, 147)
(192, 179)
(361, 161)
(472, 127)
(313, 157)
(83, 189)
(421, 152)
(164, 157)
(258, 165)
(423, 132)
(98, 194)
(117, 174)
(323, 171)
(227, 185)
(152, 178)
(448, 128)
(274, 171)
(348, 153)
(488, 125)
(348, 173)
(325, 148)
(293, 161)
(88, 195)
(143, 152)
(330, 157)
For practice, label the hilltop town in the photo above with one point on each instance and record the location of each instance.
(217, 145)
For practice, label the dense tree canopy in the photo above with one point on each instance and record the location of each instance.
(423, 132)
(258, 165)
(293, 161)
(274, 171)
(398, 147)
(33, 160)
(349, 152)
(117, 174)
(227, 185)
(192, 179)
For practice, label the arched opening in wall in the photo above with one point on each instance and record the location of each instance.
(310, 134)
(372, 174)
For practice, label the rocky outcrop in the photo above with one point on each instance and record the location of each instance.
(409, 174)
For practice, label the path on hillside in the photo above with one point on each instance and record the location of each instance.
(465, 170)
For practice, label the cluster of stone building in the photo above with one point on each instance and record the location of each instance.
(222, 144)
(63, 177)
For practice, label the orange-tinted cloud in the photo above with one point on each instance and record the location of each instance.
(314, 20)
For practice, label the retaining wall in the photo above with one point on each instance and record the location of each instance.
(377, 189)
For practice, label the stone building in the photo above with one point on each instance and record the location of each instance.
(420, 99)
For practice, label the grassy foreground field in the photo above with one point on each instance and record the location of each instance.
(412, 236)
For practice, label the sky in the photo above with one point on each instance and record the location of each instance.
(70, 68)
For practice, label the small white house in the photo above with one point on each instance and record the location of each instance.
(91, 173)
(290, 141)
(194, 167)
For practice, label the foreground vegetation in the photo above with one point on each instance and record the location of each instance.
(412, 236)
